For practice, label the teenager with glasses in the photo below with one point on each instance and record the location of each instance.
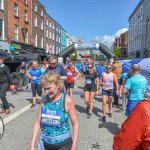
(107, 80)
(91, 85)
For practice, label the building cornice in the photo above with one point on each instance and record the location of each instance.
(136, 8)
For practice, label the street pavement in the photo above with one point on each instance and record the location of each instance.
(93, 133)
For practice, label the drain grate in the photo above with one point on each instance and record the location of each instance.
(96, 146)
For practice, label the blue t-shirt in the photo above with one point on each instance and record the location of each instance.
(36, 74)
(101, 70)
(83, 68)
(123, 77)
(59, 69)
(137, 86)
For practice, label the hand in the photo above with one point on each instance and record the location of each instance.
(117, 92)
(84, 83)
(97, 92)
(73, 147)
(32, 147)
(103, 84)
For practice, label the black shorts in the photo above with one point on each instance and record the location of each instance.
(36, 88)
(69, 85)
(62, 146)
(90, 89)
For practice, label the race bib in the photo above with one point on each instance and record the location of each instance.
(108, 84)
(69, 74)
(34, 78)
(50, 117)
(88, 81)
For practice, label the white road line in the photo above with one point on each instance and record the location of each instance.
(16, 114)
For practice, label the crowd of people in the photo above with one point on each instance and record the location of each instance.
(55, 83)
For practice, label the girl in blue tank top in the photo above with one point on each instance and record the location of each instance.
(53, 119)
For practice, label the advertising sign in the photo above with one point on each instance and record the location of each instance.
(87, 46)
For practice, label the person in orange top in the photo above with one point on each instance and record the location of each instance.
(117, 69)
(71, 71)
(135, 131)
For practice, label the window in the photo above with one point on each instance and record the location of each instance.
(25, 16)
(1, 4)
(59, 39)
(1, 29)
(15, 9)
(46, 33)
(42, 41)
(50, 35)
(35, 39)
(26, 37)
(26, 2)
(16, 32)
(50, 24)
(47, 48)
(59, 30)
(35, 7)
(53, 36)
(41, 25)
(47, 22)
(42, 13)
(35, 21)
(53, 27)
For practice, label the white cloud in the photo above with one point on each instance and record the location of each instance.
(107, 40)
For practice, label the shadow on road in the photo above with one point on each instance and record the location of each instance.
(112, 127)
(81, 87)
(11, 105)
(97, 111)
(80, 109)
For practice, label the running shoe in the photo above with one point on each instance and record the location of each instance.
(89, 115)
(109, 115)
(87, 109)
(32, 105)
(104, 118)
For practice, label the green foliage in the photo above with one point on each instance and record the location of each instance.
(74, 56)
(117, 52)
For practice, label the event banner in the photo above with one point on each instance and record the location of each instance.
(145, 69)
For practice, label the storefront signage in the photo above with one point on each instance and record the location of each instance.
(86, 46)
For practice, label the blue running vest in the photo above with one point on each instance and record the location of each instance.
(55, 126)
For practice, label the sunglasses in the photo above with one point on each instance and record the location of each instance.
(108, 67)
(52, 63)
(90, 67)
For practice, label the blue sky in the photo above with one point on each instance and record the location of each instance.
(90, 19)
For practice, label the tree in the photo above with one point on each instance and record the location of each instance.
(74, 56)
(117, 52)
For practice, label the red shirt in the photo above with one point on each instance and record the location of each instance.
(70, 73)
(135, 131)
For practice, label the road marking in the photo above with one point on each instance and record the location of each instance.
(16, 114)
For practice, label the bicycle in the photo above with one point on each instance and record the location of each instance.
(2, 127)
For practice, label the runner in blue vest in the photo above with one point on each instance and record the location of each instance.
(55, 111)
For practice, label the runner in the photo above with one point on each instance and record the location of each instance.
(107, 81)
(91, 84)
(35, 74)
(71, 71)
(53, 118)
(136, 86)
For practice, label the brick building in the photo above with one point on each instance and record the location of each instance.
(19, 21)
(38, 24)
(49, 34)
(3, 19)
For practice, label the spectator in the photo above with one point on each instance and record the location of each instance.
(136, 85)
(54, 66)
(5, 80)
(135, 131)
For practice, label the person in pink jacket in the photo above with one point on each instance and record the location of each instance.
(135, 131)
